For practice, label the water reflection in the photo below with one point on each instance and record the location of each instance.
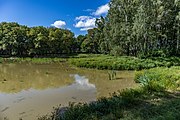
(31, 90)
(31, 103)
(82, 82)
(17, 77)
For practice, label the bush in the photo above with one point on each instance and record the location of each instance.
(159, 78)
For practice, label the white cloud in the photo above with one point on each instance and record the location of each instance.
(88, 10)
(69, 29)
(85, 29)
(88, 22)
(102, 10)
(82, 17)
(85, 22)
(59, 24)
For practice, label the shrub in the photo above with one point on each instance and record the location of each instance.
(159, 78)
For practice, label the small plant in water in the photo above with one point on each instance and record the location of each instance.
(112, 75)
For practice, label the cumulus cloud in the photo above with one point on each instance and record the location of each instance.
(59, 24)
(102, 10)
(85, 22)
(88, 22)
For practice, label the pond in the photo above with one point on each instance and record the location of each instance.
(28, 91)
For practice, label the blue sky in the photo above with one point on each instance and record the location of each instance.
(76, 15)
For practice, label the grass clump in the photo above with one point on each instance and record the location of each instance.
(160, 78)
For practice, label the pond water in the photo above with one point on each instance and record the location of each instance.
(28, 91)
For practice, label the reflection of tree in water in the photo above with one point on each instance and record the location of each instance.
(17, 77)
(14, 78)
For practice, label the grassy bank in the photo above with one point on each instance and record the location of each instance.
(32, 60)
(158, 98)
(123, 62)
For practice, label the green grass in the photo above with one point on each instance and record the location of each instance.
(102, 62)
(32, 60)
(123, 62)
(160, 78)
(146, 102)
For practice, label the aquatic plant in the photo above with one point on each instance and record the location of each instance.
(112, 75)
(123, 62)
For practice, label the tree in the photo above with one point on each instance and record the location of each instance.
(20, 40)
(91, 43)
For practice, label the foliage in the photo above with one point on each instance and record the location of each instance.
(160, 78)
(139, 28)
(99, 61)
(123, 62)
(18, 40)
(148, 28)
(90, 43)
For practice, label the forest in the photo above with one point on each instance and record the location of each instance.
(148, 28)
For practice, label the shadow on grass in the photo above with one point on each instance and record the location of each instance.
(128, 105)
(158, 106)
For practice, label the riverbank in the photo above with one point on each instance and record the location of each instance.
(157, 98)
(123, 62)
(32, 60)
(103, 62)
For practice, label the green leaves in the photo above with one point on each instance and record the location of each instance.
(159, 78)
(136, 27)
(20, 40)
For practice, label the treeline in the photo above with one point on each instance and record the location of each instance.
(142, 28)
(138, 28)
(18, 40)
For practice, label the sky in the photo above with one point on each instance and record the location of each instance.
(75, 15)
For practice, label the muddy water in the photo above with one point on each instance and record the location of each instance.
(31, 90)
